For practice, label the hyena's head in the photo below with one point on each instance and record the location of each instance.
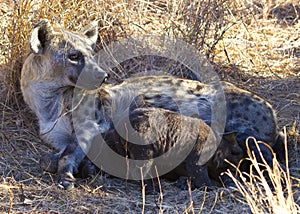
(60, 58)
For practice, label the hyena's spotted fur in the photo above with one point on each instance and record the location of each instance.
(245, 112)
(187, 97)
(50, 73)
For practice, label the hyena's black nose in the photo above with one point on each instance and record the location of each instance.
(100, 75)
(106, 77)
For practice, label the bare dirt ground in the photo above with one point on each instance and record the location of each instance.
(260, 54)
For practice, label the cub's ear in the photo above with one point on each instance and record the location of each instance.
(91, 32)
(230, 137)
(40, 36)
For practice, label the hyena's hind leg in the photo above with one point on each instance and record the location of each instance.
(292, 136)
(279, 147)
(261, 150)
(49, 162)
(86, 169)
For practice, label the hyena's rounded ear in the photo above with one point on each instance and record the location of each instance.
(40, 36)
(230, 137)
(91, 32)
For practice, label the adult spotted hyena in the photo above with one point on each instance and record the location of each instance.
(49, 78)
(187, 97)
(49, 74)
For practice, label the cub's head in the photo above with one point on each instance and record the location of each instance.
(62, 58)
(228, 150)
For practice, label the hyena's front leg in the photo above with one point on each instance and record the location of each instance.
(68, 165)
(49, 163)
(74, 154)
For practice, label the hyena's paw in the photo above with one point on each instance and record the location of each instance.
(49, 163)
(86, 169)
(66, 181)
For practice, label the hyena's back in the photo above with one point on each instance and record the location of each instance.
(250, 114)
(244, 112)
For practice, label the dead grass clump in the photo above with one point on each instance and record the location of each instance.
(200, 23)
(6, 191)
(18, 19)
(266, 195)
(259, 43)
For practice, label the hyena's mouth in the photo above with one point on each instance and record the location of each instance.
(73, 80)
(87, 81)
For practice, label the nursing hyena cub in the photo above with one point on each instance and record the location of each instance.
(173, 145)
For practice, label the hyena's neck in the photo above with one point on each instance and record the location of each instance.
(47, 101)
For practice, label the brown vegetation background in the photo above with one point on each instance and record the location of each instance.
(253, 44)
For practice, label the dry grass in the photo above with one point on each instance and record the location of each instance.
(254, 44)
(274, 194)
(265, 39)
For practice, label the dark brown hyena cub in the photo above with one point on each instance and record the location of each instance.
(172, 145)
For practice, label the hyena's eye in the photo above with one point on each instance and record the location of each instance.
(75, 57)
